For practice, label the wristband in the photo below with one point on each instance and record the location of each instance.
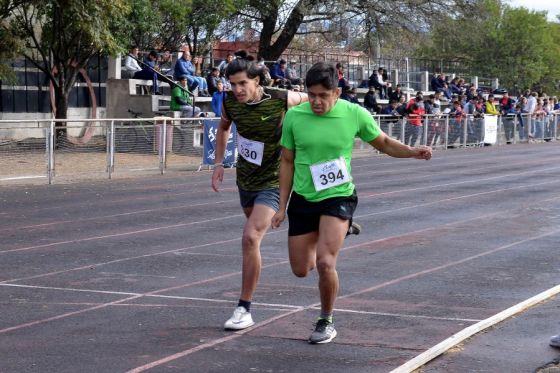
(218, 165)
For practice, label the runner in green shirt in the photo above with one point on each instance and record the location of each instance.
(317, 140)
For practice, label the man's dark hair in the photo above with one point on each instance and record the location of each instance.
(214, 69)
(282, 61)
(339, 65)
(153, 54)
(245, 62)
(322, 73)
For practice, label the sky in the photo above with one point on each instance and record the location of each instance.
(552, 6)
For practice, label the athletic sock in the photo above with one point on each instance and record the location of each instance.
(244, 303)
(327, 316)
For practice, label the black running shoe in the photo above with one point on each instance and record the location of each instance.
(354, 228)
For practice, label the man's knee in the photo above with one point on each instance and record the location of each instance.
(325, 265)
(303, 270)
(252, 237)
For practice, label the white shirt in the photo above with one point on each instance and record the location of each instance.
(531, 104)
(130, 64)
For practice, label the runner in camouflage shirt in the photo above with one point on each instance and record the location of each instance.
(258, 113)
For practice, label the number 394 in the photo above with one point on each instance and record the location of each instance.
(331, 177)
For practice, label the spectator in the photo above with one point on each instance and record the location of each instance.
(197, 63)
(223, 65)
(414, 122)
(490, 106)
(376, 81)
(131, 66)
(292, 75)
(447, 91)
(538, 119)
(456, 125)
(435, 124)
(181, 100)
(340, 72)
(184, 66)
(436, 83)
(471, 93)
(212, 80)
(531, 104)
(218, 98)
(166, 62)
(370, 101)
(349, 94)
(149, 71)
(395, 93)
(556, 106)
(278, 74)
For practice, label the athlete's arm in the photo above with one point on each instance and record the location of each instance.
(396, 149)
(222, 137)
(296, 98)
(286, 178)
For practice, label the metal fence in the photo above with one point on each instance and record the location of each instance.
(88, 148)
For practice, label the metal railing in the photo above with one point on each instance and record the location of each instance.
(88, 148)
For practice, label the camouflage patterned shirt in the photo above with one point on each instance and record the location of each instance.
(262, 123)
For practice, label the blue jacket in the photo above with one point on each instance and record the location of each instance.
(217, 100)
(183, 67)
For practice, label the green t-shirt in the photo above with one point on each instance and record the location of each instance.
(319, 139)
(177, 92)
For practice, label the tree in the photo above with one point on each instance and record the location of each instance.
(516, 45)
(60, 37)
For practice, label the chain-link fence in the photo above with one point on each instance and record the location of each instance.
(83, 148)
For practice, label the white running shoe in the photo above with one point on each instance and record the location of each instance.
(241, 319)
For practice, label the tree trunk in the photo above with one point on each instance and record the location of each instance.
(61, 101)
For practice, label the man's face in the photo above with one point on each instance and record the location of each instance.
(135, 51)
(229, 58)
(322, 99)
(183, 82)
(243, 87)
(216, 73)
(186, 55)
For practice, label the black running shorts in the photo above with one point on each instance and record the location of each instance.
(304, 216)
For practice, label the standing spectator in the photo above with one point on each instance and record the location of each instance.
(340, 74)
(538, 122)
(131, 66)
(181, 100)
(490, 106)
(414, 122)
(376, 81)
(456, 126)
(218, 98)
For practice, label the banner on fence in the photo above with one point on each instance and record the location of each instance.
(209, 143)
(490, 129)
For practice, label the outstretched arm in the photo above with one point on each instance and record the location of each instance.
(396, 149)
(296, 98)
(222, 137)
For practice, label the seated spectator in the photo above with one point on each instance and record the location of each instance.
(391, 109)
(149, 71)
(402, 106)
(436, 84)
(370, 101)
(471, 93)
(131, 66)
(223, 65)
(395, 93)
(376, 81)
(166, 63)
(447, 91)
(348, 96)
(212, 80)
(218, 98)
(181, 100)
(183, 67)
(292, 75)
(278, 73)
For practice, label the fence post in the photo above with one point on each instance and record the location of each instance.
(162, 146)
(403, 125)
(395, 77)
(111, 149)
(555, 133)
(465, 130)
(474, 81)
(425, 81)
(426, 124)
(498, 131)
(50, 152)
(515, 123)
(446, 132)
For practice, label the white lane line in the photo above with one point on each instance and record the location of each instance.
(401, 315)
(34, 226)
(268, 321)
(459, 337)
(120, 234)
(238, 215)
(146, 295)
